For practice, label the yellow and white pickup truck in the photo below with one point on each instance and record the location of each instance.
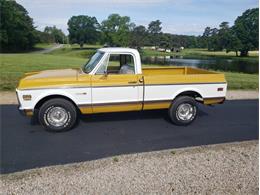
(114, 81)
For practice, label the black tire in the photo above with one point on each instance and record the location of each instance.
(176, 106)
(68, 109)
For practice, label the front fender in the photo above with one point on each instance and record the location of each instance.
(53, 92)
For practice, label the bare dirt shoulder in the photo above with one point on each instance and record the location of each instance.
(242, 94)
(9, 97)
(217, 169)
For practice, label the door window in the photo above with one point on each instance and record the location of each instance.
(118, 64)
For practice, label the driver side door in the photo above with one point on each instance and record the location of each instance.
(113, 91)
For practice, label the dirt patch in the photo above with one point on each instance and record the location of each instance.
(216, 169)
(7, 97)
(239, 95)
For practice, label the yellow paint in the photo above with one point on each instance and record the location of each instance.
(114, 80)
(28, 112)
(75, 77)
(86, 109)
(157, 105)
(109, 108)
(54, 79)
(213, 101)
(135, 107)
(177, 75)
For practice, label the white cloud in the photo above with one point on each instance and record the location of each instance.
(60, 23)
(47, 3)
(194, 29)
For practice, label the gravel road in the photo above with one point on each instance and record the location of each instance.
(48, 50)
(216, 169)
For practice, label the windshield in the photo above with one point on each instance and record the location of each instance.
(91, 64)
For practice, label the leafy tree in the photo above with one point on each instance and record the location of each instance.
(215, 40)
(165, 41)
(246, 29)
(206, 36)
(44, 37)
(138, 36)
(83, 29)
(233, 43)
(16, 27)
(154, 28)
(116, 30)
(211, 37)
(224, 35)
(57, 34)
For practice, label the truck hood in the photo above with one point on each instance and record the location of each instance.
(49, 78)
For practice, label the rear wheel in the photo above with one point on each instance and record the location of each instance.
(58, 115)
(183, 110)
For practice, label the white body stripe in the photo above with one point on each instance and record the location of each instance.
(169, 92)
(77, 95)
(121, 94)
(117, 94)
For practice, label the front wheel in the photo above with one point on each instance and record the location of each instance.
(57, 115)
(183, 110)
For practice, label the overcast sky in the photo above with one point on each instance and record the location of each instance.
(188, 17)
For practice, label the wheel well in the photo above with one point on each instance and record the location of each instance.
(43, 100)
(193, 94)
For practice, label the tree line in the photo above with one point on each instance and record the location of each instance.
(118, 30)
(17, 32)
(242, 37)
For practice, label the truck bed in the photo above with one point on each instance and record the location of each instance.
(175, 75)
(175, 70)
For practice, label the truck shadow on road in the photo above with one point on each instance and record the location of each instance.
(24, 146)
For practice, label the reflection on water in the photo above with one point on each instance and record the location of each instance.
(233, 65)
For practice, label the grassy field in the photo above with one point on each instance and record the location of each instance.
(13, 66)
(43, 45)
(202, 53)
(242, 80)
(75, 51)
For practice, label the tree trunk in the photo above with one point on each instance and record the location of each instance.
(244, 53)
(236, 53)
(81, 45)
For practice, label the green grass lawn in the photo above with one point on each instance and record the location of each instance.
(76, 51)
(13, 66)
(43, 45)
(242, 80)
(88, 50)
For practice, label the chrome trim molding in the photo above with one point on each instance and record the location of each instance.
(72, 87)
(125, 103)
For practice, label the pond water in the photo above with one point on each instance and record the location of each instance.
(231, 65)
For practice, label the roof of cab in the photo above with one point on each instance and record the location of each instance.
(118, 50)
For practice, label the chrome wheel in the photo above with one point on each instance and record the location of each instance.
(57, 116)
(186, 112)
